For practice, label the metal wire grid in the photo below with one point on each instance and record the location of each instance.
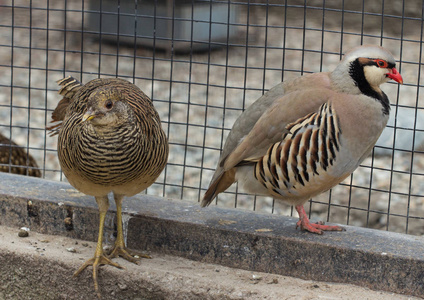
(200, 94)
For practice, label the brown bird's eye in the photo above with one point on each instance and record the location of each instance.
(109, 104)
(381, 63)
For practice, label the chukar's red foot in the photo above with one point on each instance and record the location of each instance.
(318, 227)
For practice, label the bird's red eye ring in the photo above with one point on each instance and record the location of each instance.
(109, 104)
(381, 63)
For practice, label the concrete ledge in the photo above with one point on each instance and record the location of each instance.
(39, 267)
(235, 238)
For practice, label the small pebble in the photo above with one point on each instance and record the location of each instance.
(69, 224)
(256, 277)
(84, 244)
(23, 232)
(71, 249)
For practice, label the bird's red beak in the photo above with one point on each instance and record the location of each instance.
(395, 75)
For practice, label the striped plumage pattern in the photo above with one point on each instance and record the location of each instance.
(309, 147)
(68, 87)
(100, 160)
(14, 159)
(128, 151)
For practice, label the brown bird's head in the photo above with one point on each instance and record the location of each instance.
(106, 108)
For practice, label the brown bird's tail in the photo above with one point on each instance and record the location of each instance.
(69, 87)
(220, 184)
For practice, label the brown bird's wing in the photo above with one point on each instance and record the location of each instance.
(69, 87)
(264, 123)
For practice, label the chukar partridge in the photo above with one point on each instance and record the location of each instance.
(14, 159)
(306, 135)
(110, 140)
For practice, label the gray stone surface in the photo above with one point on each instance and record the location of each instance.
(40, 267)
(257, 242)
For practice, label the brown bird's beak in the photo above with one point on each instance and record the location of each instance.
(395, 75)
(89, 115)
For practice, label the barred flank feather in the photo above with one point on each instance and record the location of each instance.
(308, 148)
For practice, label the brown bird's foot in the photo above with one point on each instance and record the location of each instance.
(97, 261)
(125, 253)
(119, 249)
(317, 228)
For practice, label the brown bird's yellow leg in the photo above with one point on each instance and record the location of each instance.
(99, 258)
(317, 228)
(119, 249)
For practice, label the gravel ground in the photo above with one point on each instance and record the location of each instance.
(198, 95)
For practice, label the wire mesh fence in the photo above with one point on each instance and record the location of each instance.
(202, 63)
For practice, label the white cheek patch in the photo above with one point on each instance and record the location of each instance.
(375, 76)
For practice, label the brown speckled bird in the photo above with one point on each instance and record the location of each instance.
(307, 135)
(110, 140)
(14, 159)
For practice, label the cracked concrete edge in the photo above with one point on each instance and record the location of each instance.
(38, 267)
(252, 241)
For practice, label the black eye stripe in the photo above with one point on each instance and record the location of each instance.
(371, 62)
(389, 65)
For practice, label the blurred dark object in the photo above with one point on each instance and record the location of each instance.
(179, 25)
(14, 159)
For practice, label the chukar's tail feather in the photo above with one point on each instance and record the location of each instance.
(221, 183)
